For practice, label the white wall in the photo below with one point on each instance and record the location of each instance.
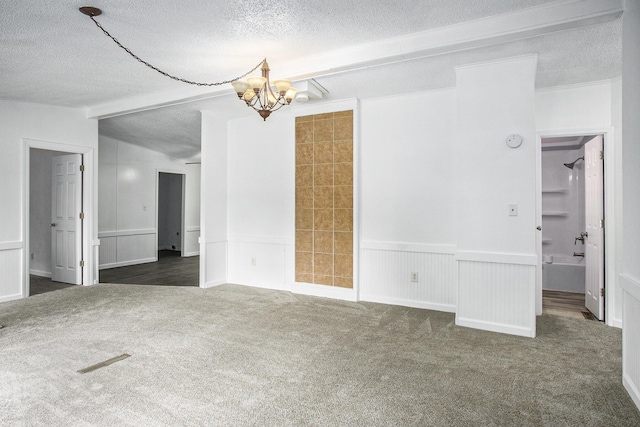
(496, 252)
(408, 181)
(261, 192)
(128, 201)
(192, 216)
(213, 240)
(40, 212)
(630, 276)
(57, 125)
(431, 202)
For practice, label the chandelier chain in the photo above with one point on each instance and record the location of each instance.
(164, 73)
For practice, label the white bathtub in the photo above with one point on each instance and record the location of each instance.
(564, 274)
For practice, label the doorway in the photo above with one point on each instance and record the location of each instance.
(45, 238)
(53, 244)
(571, 244)
(170, 219)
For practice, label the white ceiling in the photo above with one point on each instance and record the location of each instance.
(50, 53)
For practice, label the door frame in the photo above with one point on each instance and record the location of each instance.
(183, 228)
(610, 211)
(89, 254)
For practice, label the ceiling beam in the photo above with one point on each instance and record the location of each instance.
(525, 23)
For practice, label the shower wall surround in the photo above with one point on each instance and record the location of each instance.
(562, 204)
(324, 199)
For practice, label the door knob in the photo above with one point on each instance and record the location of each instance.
(53, 224)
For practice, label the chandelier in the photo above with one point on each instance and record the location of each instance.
(256, 91)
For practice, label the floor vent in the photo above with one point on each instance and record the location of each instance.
(588, 315)
(103, 364)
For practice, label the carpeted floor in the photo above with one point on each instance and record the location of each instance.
(237, 356)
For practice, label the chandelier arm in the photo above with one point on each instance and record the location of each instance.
(164, 73)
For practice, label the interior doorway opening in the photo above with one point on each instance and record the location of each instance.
(46, 238)
(170, 212)
(572, 224)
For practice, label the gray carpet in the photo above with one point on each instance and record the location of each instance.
(238, 356)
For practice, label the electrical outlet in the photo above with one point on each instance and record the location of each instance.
(414, 277)
(253, 261)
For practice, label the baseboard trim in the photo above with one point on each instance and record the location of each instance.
(40, 273)
(408, 247)
(409, 303)
(188, 254)
(262, 285)
(496, 327)
(213, 284)
(631, 389)
(127, 263)
(495, 257)
(10, 297)
(324, 291)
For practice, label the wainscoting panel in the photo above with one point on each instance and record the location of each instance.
(631, 337)
(497, 297)
(11, 268)
(108, 251)
(191, 246)
(260, 262)
(386, 275)
(215, 270)
(128, 247)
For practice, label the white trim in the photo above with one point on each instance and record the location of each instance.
(495, 257)
(193, 228)
(188, 254)
(127, 263)
(13, 297)
(121, 233)
(533, 56)
(496, 327)
(261, 285)
(409, 303)
(357, 198)
(408, 247)
(578, 85)
(89, 197)
(325, 291)
(40, 273)
(630, 285)
(301, 110)
(631, 389)
(213, 284)
(10, 246)
(611, 205)
(269, 240)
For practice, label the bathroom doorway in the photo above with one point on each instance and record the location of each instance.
(572, 222)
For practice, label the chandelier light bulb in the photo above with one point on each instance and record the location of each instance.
(259, 94)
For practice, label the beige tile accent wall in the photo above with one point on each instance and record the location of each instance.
(324, 199)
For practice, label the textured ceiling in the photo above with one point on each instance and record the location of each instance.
(52, 54)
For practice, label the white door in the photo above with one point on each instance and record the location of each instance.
(594, 216)
(66, 225)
